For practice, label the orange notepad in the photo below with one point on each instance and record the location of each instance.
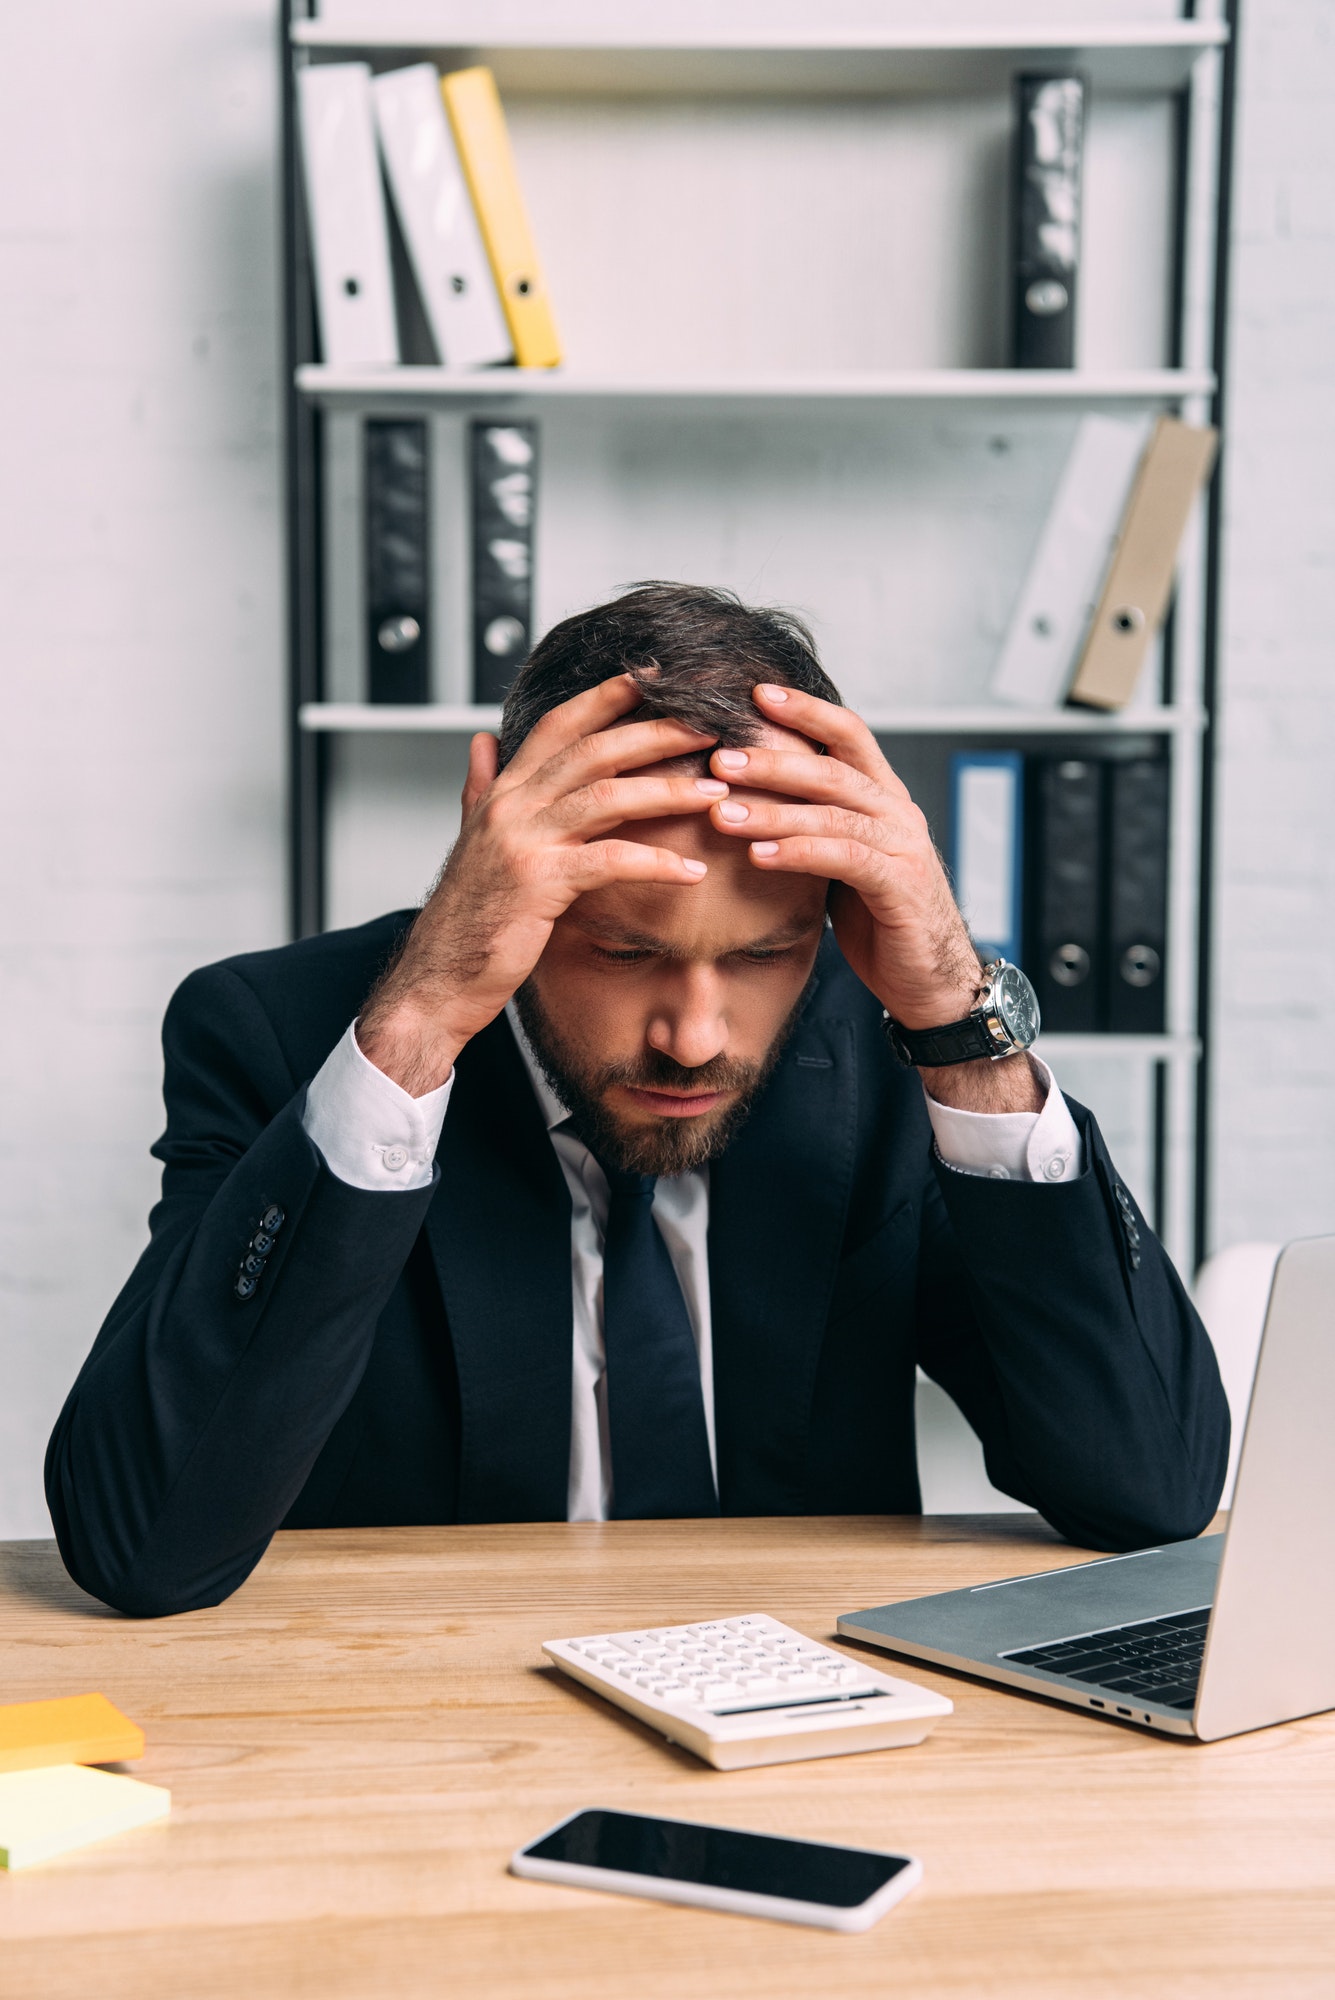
(80, 1729)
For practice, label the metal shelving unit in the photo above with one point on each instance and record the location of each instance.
(1189, 60)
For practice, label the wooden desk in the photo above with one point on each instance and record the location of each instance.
(359, 1739)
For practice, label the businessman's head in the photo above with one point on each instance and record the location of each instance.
(658, 1011)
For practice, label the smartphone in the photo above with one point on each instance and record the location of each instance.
(720, 1868)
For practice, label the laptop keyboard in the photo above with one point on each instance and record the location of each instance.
(1159, 1660)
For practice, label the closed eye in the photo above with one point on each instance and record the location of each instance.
(766, 954)
(631, 955)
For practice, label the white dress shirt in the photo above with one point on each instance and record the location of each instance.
(373, 1135)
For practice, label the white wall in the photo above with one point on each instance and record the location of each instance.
(1274, 1095)
(142, 776)
(141, 754)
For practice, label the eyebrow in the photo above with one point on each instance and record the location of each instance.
(624, 936)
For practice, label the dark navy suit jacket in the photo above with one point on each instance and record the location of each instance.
(406, 1357)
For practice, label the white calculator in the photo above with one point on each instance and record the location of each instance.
(742, 1691)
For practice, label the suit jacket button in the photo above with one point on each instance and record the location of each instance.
(261, 1244)
(244, 1287)
(1135, 1260)
(272, 1220)
(252, 1265)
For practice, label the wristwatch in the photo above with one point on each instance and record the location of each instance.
(1003, 1021)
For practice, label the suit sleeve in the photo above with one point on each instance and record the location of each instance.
(1053, 1317)
(196, 1419)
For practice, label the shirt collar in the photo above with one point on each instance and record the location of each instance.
(553, 1111)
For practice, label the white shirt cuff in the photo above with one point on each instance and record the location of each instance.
(372, 1134)
(1011, 1145)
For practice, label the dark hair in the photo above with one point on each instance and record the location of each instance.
(695, 652)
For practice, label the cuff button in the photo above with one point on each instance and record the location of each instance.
(1055, 1169)
(245, 1287)
(396, 1157)
(261, 1244)
(272, 1220)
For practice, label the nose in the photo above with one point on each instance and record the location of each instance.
(690, 1026)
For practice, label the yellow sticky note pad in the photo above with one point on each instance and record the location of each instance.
(45, 1813)
(78, 1729)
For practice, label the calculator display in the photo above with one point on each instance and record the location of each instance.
(757, 1864)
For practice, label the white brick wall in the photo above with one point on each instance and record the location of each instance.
(141, 754)
(1274, 1090)
(141, 773)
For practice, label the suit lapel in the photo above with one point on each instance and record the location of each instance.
(499, 1230)
(777, 1204)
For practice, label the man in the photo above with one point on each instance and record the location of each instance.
(604, 1185)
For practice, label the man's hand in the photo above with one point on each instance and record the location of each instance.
(848, 817)
(531, 842)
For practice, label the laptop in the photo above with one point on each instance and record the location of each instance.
(1206, 1638)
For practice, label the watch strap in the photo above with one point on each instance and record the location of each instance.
(937, 1048)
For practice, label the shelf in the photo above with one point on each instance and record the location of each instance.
(395, 388)
(719, 60)
(1149, 1048)
(378, 719)
(461, 719)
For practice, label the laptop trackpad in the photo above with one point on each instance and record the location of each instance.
(1029, 1611)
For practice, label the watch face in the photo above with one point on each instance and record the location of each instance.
(1016, 1004)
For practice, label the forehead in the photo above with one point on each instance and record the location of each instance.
(736, 905)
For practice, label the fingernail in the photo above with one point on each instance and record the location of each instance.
(732, 811)
(772, 693)
(764, 847)
(694, 867)
(732, 760)
(714, 788)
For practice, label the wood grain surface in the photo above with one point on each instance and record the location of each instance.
(358, 1740)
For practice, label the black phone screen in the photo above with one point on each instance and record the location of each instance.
(759, 1864)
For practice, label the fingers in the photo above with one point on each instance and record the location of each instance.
(603, 861)
(753, 816)
(594, 808)
(807, 776)
(834, 858)
(837, 728)
(483, 759)
(597, 708)
(612, 750)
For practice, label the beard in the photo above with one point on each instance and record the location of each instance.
(668, 1145)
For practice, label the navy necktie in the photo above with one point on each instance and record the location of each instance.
(655, 1407)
